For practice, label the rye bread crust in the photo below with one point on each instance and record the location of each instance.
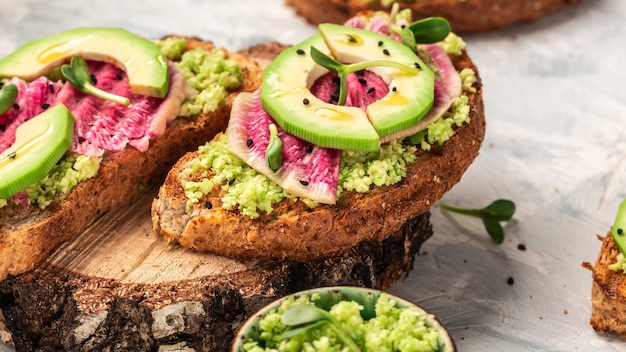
(464, 16)
(295, 232)
(28, 236)
(608, 291)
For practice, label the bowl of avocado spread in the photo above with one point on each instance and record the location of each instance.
(342, 318)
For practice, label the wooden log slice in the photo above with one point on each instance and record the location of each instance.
(119, 287)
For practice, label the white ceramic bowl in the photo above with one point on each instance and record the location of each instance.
(332, 295)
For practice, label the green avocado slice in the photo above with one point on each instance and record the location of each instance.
(39, 144)
(145, 65)
(410, 96)
(286, 95)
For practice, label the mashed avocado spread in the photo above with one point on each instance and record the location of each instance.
(620, 263)
(392, 329)
(389, 2)
(212, 74)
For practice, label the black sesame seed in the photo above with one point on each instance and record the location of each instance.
(16, 106)
(386, 52)
(249, 142)
(45, 106)
(362, 81)
(620, 231)
(51, 88)
(403, 26)
(417, 65)
(309, 149)
(118, 77)
(231, 181)
(305, 101)
(352, 39)
(300, 52)
(304, 183)
(94, 80)
(13, 155)
(380, 43)
(394, 89)
(510, 281)
(521, 247)
(3, 127)
(371, 90)
(208, 205)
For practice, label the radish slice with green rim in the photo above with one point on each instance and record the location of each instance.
(307, 171)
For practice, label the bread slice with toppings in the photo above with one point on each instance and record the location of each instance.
(29, 234)
(608, 291)
(464, 16)
(294, 230)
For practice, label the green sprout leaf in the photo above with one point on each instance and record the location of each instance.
(408, 38)
(77, 73)
(274, 150)
(343, 70)
(301, 318)
(491, 215)
(430, 30)
(8, 94)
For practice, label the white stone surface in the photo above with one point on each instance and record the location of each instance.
(555, 103)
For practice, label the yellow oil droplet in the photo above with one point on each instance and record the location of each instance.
(281, 93)
(394, 99)
(26, 137)
(333, 114)
(60, 50)
(350, 39)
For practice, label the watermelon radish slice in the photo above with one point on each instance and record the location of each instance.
(448, 86)
(307, 171)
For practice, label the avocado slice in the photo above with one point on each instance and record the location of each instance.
(285, 95)
(410, 96)
(39, 144)
(145, 65)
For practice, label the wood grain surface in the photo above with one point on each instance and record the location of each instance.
(119, 287)
(122, 246)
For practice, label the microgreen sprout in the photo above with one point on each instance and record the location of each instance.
(77, 73)
(491, 215)
(430, 30)
(343, 70)
(8, 94)
(274, 150)
(301, 318)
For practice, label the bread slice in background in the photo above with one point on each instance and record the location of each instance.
(464, 16)
(28, 236)
(608, 291)
(295, 232)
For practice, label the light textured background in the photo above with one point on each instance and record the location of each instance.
(555, 102)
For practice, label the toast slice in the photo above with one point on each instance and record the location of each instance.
(29, 235)
(296, 232)
(464, 16)
(608, 291)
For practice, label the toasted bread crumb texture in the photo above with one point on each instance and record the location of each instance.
(28, 236)
(608, 291)
(295, 231)
(464, 16)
